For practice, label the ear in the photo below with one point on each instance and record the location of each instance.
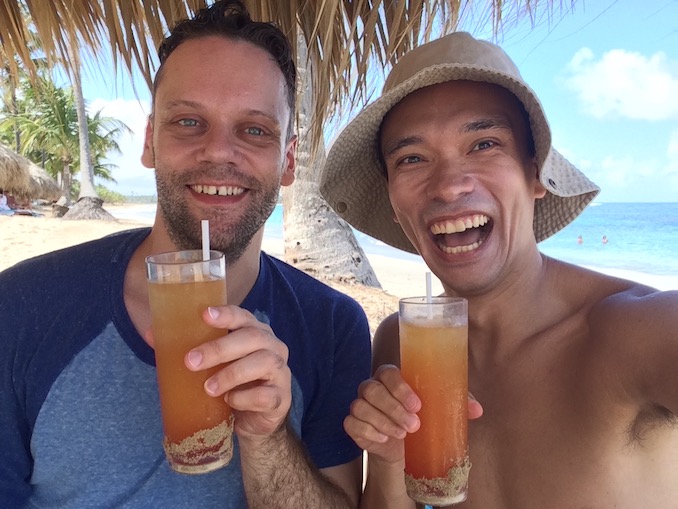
(290, 162)
(148, 155)
(538, 188)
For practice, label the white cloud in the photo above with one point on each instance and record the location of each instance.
(625, 84)
(132, 176)
(625, 178)
(672, 153)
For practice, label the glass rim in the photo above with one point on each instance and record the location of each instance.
(435, 299)
(172, 258)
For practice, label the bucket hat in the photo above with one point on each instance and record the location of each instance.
(352, 180)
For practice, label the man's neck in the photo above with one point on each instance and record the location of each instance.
(501, 319)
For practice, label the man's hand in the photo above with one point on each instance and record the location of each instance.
(255, 379)
(385, 411)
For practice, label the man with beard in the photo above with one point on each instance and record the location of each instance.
(575, 370)
(80, 422)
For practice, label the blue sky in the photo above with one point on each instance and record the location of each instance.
(605, 71)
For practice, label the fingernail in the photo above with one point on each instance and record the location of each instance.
(211, 386)
(412, 402)
(410, 422)
(213, 312)
(194, 358)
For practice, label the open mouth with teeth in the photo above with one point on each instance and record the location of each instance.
(218, 190)
(463, 234)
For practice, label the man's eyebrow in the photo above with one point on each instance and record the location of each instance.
(396, 145)
(179, 103)
(482, 124)
(265, 114)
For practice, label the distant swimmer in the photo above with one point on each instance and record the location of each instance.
(604, 239)
(580, 240)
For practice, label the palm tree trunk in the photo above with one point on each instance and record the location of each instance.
(317, 240)
(66, 184)
(87, 188)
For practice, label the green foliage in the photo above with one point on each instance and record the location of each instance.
(44, 117)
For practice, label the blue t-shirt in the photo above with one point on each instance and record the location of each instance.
(80, 422)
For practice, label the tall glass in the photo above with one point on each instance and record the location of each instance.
(434, 362)
(198, 428)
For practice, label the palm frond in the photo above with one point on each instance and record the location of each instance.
(343, 37)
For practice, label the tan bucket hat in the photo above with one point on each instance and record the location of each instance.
(352, 181)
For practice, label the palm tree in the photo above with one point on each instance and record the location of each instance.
(87, 189)
(341, 38)
(47, 120)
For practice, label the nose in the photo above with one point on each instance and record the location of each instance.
(220, 146)
(450, 180)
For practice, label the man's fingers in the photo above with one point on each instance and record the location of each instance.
(268, 366)
(374, 394)
(475, 409)
(363, 433)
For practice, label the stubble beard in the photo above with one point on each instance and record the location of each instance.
(230, 238)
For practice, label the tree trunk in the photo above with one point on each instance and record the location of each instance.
(87, 188)
(317, 240)
(88, 207)
(66, 184)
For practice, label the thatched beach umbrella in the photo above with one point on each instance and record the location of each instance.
(14, 174)
(24, 179)
(43, 186)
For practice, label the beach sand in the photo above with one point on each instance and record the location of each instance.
(23, 237)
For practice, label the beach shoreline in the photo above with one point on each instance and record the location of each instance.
(23, 237)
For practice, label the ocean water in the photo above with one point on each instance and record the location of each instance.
(642, 237)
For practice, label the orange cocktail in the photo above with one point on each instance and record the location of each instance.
(434, 362)
(198, 428)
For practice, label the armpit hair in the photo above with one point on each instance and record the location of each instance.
(648, 421)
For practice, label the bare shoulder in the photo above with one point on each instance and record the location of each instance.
(386, 345)
(628, 307)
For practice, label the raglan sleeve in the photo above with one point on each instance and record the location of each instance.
(347, 363)
(15, 457)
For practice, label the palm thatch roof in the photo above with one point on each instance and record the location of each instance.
(13, 170)
(342, 36)
(24, 179)
(42, 186)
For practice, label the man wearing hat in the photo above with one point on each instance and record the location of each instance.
(576, 371)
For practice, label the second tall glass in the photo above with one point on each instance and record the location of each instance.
(434, 362)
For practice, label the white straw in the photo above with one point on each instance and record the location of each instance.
(205, 224)
(429, 299)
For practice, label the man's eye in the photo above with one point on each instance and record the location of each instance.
(409, 160)
(483, 145)
(255, 131)
(188, 122)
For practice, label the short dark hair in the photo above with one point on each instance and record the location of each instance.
(230, 19)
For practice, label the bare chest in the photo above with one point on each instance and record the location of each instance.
(554, 434)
